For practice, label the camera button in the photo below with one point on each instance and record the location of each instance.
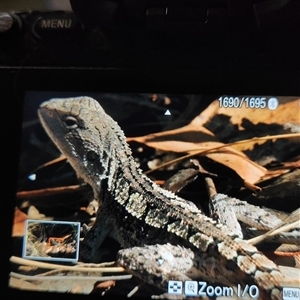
(56, 26)
(6, 22)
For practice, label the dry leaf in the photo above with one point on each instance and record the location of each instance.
(19, 223)
(248, 170)
(33, 213)
(106, 284)
(195, 137)
(284, 113)
(190, 133)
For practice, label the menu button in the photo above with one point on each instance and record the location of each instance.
(55, 26)
(289, 293)
(55, 23)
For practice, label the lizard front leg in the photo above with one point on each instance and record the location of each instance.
(89, 248)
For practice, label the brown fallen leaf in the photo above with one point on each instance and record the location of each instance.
(195, 137)
(284, 168)
(248, 170)
(284, 113)
(192, 132)
(33, 213)
(103, 287)
(106, 284)
(19, 223)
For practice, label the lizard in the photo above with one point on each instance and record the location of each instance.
(135, 211)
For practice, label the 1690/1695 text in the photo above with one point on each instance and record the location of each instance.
(238, 102)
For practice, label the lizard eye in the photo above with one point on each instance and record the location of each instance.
(70, 122)
(91, 156)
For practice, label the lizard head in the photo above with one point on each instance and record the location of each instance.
(90, 139)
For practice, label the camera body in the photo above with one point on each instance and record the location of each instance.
(169, 45)
(209, 47)
(204, 35)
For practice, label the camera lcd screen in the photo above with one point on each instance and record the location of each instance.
(230, 160)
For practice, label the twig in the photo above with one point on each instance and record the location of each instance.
(87, 278)
(27, 262)
(281, 227)
(133, 291)
(94, 265)
(50, 191)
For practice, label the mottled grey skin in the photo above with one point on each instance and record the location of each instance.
(135, 211)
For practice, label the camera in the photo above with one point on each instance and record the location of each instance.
(206, 95)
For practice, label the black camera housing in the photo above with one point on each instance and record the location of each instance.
(232, 49)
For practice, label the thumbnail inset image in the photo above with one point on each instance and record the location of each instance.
(51, 240)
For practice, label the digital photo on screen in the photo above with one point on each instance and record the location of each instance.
(176, 196)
